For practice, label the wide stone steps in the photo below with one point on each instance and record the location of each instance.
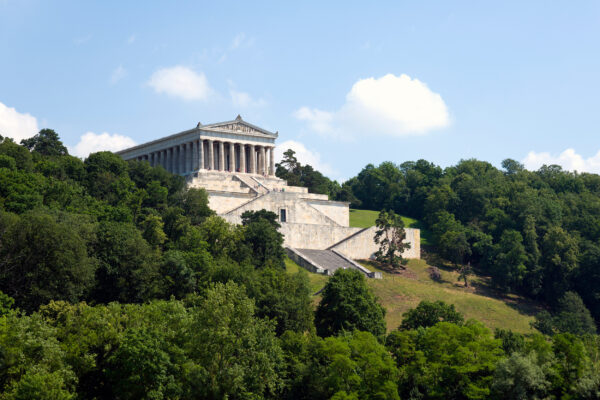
(253, 184)
(326, 259)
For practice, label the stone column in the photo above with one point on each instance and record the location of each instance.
(180, 159)
(201, 154)
(272, 161)
(231, 157)
(168, 159)
(252, 159)
(211, 155)
(262, 163)
(175, 160)
(194, 156)
(221, 156)
(243, 158)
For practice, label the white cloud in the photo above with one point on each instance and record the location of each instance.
(179, 81)
(390, 105)
(319, 121)
(16, 125)
(91, 142)
(568, 159)
(244, 100)
(238, 40)
(304, 156)
(118, 74)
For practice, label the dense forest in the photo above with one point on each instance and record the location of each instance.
(118, 283)
(536, 233)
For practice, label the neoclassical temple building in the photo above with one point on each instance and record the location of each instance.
(232, 146)
(234, 162)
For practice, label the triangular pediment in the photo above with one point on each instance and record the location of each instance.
(238, 125)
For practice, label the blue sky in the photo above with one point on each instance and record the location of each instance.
(344, 83)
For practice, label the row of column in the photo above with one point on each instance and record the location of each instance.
(214, 155)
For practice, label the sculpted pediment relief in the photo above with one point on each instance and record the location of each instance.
(237, 127)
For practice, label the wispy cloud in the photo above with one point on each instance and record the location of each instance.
(82, 40)
(243, 99)
(241, 40)
(117, 74)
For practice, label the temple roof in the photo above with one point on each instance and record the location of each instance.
(237, 125)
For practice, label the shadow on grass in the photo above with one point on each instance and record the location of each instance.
(480, 283)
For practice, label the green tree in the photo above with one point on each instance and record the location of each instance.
(350, 366)
(140, 368)
(46, 142)
(263, 239)
(348, 304)
(571, 316)
(283, 298)
(33, 365)
(446, 361)
(44, 258)
(391, 238)
(519, 377)
(235, 355)
(559, 259)
(428, 314)
(194, 202)
(128, 268)
(508, 267)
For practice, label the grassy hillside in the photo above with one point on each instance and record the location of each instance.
(366, 218)
(399, 293)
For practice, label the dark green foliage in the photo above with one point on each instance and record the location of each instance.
(89, 249)
(520, 377)
(263, 239)
(255, 216)
(235, 354)
(194, 203)
(34, 365)
(348, 304)
(283, 298)
(141, 368)
(351, 366)
(44, 257)
(511, 341)
(128, 268)
(445, 361)
(428, 314)
(46, 142)
(571, 316)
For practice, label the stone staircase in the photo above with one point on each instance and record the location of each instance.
(326, 261)
(253, 184)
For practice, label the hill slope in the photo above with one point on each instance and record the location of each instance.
(399, 293)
